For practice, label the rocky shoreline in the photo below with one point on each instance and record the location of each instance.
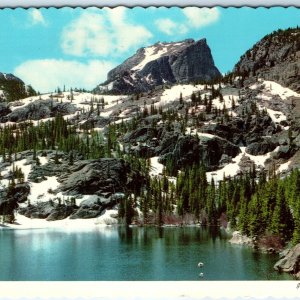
(289, 261)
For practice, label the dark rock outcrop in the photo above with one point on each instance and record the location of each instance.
(38, 110)
(285, 152)
(60, 212)
(94, 207)
(49, 210)
(276, 57)
(13, 88)
(190, 149)
(105, 175)
(10, 197)
(162, 63)
(260, 148)
(4, 110)
(39, 211)
(243, 130)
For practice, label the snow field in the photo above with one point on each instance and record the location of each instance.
(269, 90)
(233, 168)
(156, 167)
(150, 55)
(43, 191)
(17, 164)
(173, 93)
(274, 88)
(283, 167)
(276, 116)
(230, 169)
(105, 219)
(80, 101)
(227, 100)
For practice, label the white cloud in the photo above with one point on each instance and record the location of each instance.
(194, 17)
(108, 33)
(36, 17)
(200, 17)
(45, 75)
(169, 27)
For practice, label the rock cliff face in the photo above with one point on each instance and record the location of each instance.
(161, 63)
(275, 57)
(13, 88)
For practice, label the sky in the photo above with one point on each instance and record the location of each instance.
(50, 48)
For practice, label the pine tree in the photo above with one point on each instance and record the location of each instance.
(180, 99)
(282, 221)
(256, 222)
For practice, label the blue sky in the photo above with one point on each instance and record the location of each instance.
(77, 47)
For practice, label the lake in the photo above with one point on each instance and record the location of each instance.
(120, 253)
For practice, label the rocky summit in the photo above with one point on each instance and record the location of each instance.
(162, 63)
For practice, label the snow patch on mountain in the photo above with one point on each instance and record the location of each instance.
(43, 191)
(284, 167)
(260, 160)
(186, 90)
(155, 166)
(79, 99)
(276, 116)
(107, 218)
(157, 51)
(272, 88)
(233, 168)
(43, 160)
(230, 169)
(150, 54)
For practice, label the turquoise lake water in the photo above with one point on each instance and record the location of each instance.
(119, 253)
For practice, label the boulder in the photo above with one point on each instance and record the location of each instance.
(212, 149)
(191, 150)
(10, 197)
(86, 212)
(223, 131)
(40, 210)
(284, 152)
(4, 110)
(105, 175)
(168, 143)
(260, 148)
(49, 210)
(238, 238)
(140, 135)
(290, 261)
(60, 212)
(40, 109)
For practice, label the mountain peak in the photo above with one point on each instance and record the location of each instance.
(160, 63)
